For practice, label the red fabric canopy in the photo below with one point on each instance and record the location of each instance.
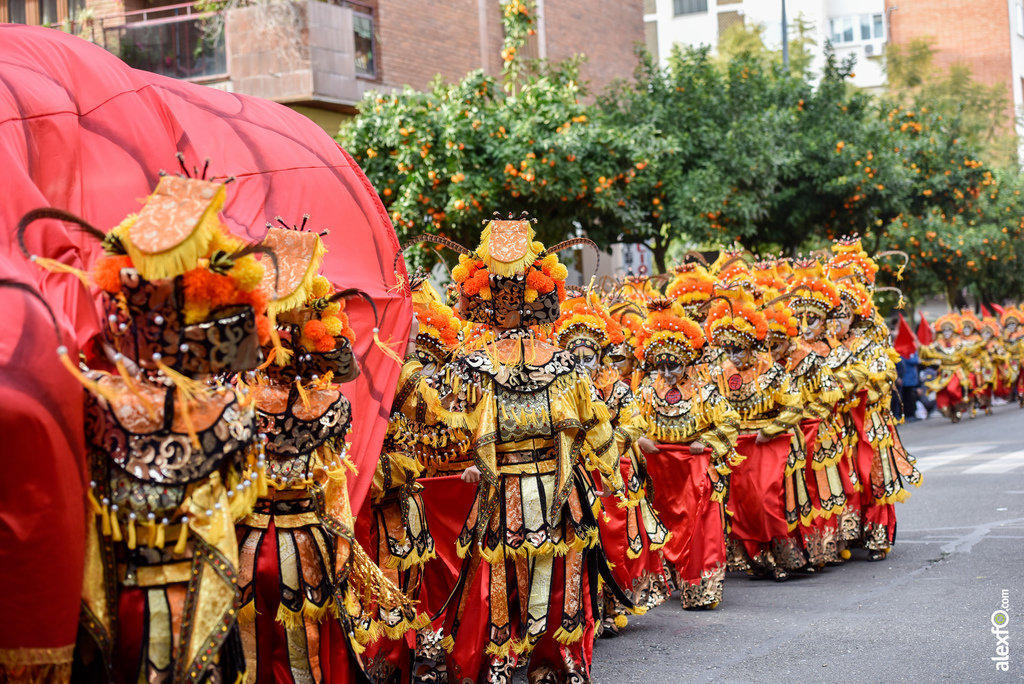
(81, 131)
(905, 343)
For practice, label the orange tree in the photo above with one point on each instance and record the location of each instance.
(962, 220)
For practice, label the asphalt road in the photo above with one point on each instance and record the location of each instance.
(924, 614)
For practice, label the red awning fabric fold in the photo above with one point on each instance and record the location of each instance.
(82, 131)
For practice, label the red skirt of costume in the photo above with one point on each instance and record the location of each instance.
(632, 536)
(290, 569)
(950, 396)
(821, 532)
(683, 497)
(756, 505)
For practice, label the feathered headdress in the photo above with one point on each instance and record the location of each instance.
(809, 290)
(691, 287)
(951, 321)
(511, 280)
(735, 320)
(668, 334)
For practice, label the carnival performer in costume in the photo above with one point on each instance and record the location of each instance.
(993, 363)
(630, 318)
(813, 300)
(306, 584)
(782, 338)
(694, 429)
(172, 450)
(530, 541)
(1012, 335)
(973, 358)
(631, 533)
(879, 463)
(416, 444)
(952, 385)
(759, 389)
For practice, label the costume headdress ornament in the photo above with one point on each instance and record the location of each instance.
(853, 294)
(309, 310)
(991, 323)
(1011, 313)
(511, 280)
(968, 316)
(780, 317)
(206, 317)
(440, 331)
(734, 319)
(951, 321)
(668, 334)
(692, 286)
(810, 290)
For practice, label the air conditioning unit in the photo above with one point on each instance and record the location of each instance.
(873, 49)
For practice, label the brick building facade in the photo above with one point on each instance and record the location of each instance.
(452, 37)
(987, 35)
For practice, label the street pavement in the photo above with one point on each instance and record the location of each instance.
(924, 614)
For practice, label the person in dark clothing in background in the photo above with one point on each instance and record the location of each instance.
(897, 394)
(911, 381)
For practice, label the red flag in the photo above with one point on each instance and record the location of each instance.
(906, 343)
(924, 331)
(985, 311)
(998, 309)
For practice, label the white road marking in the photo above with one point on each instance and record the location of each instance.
(940, 459)
(1003, 464)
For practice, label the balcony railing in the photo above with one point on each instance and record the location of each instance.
(173, 40)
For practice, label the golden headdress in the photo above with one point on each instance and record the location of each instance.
(734, 319)
(440, 331)
(992, 323)
(668, 333)
(691, 287)
(1011, 313)
(811, 291)
(174, 280)
(511, 280)
(968, 316)
(950, 320)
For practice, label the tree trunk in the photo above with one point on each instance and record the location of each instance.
(660, 251)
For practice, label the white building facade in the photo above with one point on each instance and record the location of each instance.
(854, 27)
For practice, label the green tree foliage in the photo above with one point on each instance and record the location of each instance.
(706, 151)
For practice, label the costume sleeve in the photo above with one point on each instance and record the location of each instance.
(787, 397)
(631, 424)
(601, 450)
(723, 428)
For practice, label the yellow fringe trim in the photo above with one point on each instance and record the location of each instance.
(511, 268)
(247, 613)
(898, 497)
(564, 637)
(186, 254)
(300, 294)
(448, 644)
(412, 560)
(296, 619)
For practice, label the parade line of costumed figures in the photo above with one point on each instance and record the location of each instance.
(618, 447)
(976, 360)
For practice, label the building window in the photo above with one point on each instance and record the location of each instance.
(651, 38)
(366, 62)
(858, 28)
(1020, 20)
(689, 6)
(48, 12)
(16, 11)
